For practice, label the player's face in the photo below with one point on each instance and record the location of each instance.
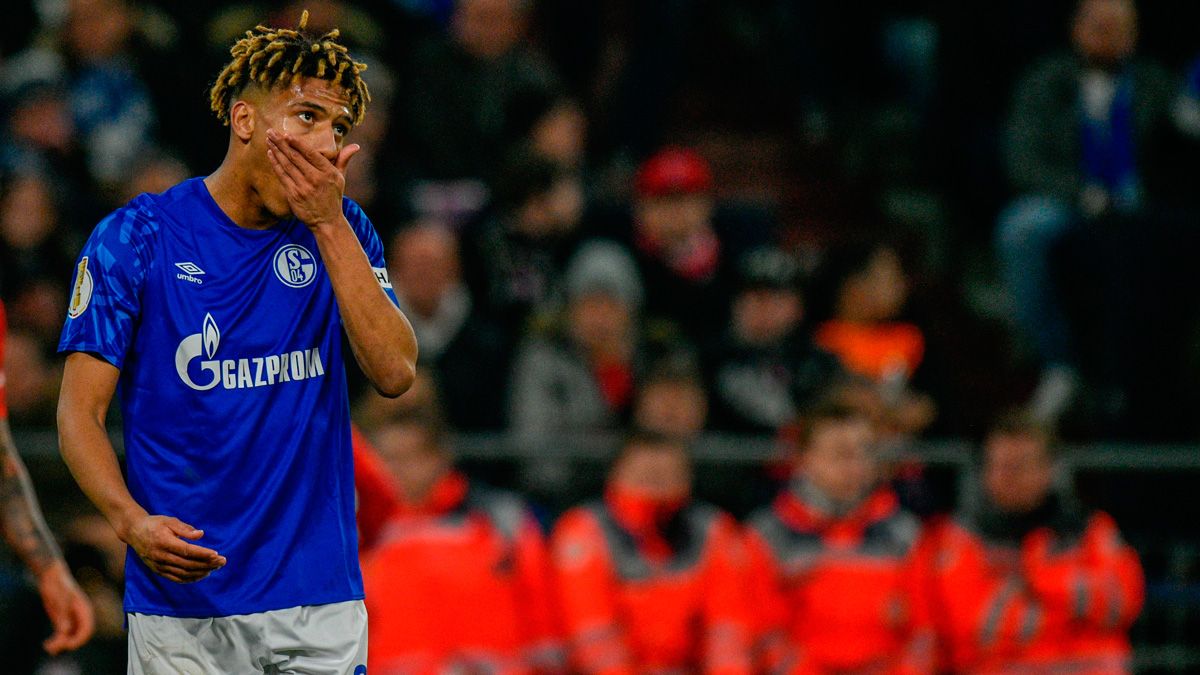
(314, 112)
(1017, 472)
(676, 409)
(661, 472)
(840, 459)
(1105, 31)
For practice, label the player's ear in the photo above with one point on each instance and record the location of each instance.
(241, 120)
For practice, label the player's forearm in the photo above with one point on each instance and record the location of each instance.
(88, 453)
(20, 518)
(380, 335)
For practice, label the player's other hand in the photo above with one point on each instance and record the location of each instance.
(159, 542)
(314, 184)
(68, 608)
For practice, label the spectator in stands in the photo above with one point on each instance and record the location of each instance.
(110, 102)
(580, 377)
(514, 263)
(41, 132)
(671, 400)
(459, 580)
(765, 369)
(648, 580)
(32, 381)
(1080, 148)
(154, 172)
(1187, 105)
(467, 355)
(869, 290)
(33, 254)
(1024, 581)
(680, 255)
(372, 411)
(559, 133)
(833, 562)
(461, 90)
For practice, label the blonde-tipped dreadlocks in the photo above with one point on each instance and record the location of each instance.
(270, 57)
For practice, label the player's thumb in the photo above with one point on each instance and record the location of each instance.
(184, 530)
(343, 158)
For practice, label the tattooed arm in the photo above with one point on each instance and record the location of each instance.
(26, 531)
(20, 517)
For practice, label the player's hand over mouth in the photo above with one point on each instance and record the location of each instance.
(159, 542)
(314, 184)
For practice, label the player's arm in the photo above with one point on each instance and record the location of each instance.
(26, 532)
(380, 336)
(88, 386)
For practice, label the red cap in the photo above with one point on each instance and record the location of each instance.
(674, 171)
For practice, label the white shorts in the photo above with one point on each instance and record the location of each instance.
(311, 640)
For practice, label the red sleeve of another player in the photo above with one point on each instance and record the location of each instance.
(377, 493)
(3, 335)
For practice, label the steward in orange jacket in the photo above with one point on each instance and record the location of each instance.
(1022, 581)
(649, 582)
(459, 580)
(833, 568)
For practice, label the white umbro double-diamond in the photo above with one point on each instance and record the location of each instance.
(190, 268)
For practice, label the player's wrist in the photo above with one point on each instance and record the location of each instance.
(124, 520)
(329, 225)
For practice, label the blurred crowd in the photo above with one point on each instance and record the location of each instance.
(842, 227)
(580, 201)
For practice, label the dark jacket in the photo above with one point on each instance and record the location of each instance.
(1042, 146)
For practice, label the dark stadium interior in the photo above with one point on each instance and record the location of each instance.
(702, 217)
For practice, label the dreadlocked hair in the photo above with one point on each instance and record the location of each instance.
(272, 57)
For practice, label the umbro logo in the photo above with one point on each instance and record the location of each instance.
(190, 271)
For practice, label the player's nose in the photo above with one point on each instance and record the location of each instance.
(328, 144)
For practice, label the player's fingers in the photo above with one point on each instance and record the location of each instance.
(344, 157)
(169, 556)
(281, 172)
(289, 164)
(178, 574)
(55, 644)
(298, 155)
(182, 529)
(84, 623)
(316, 161)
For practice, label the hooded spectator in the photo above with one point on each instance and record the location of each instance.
(649, 580)
(834, 561)
(581, 377)
(460, 577)
(1022, 580)
(764, 370)
(515, 261)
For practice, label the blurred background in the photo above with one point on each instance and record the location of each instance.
(694, 216)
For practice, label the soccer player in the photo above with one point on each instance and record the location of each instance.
(219, 306)
(21, 522)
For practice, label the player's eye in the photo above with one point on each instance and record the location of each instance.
(306, 115)
(340, 129)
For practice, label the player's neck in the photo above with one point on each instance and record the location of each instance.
(236, 197)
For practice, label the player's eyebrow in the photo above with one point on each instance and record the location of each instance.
(341, 116)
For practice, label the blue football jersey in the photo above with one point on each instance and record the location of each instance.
(233, 393)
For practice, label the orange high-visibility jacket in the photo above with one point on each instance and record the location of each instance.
(461, 584)
(3, 336)
(627, 610)
(1056, 602)
(839, 595)
(375, 491)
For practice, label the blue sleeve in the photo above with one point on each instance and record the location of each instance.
(372, 245)
(106, 286)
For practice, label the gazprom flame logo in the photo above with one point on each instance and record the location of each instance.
(212, 336)
(205, 342)
(242, 373)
